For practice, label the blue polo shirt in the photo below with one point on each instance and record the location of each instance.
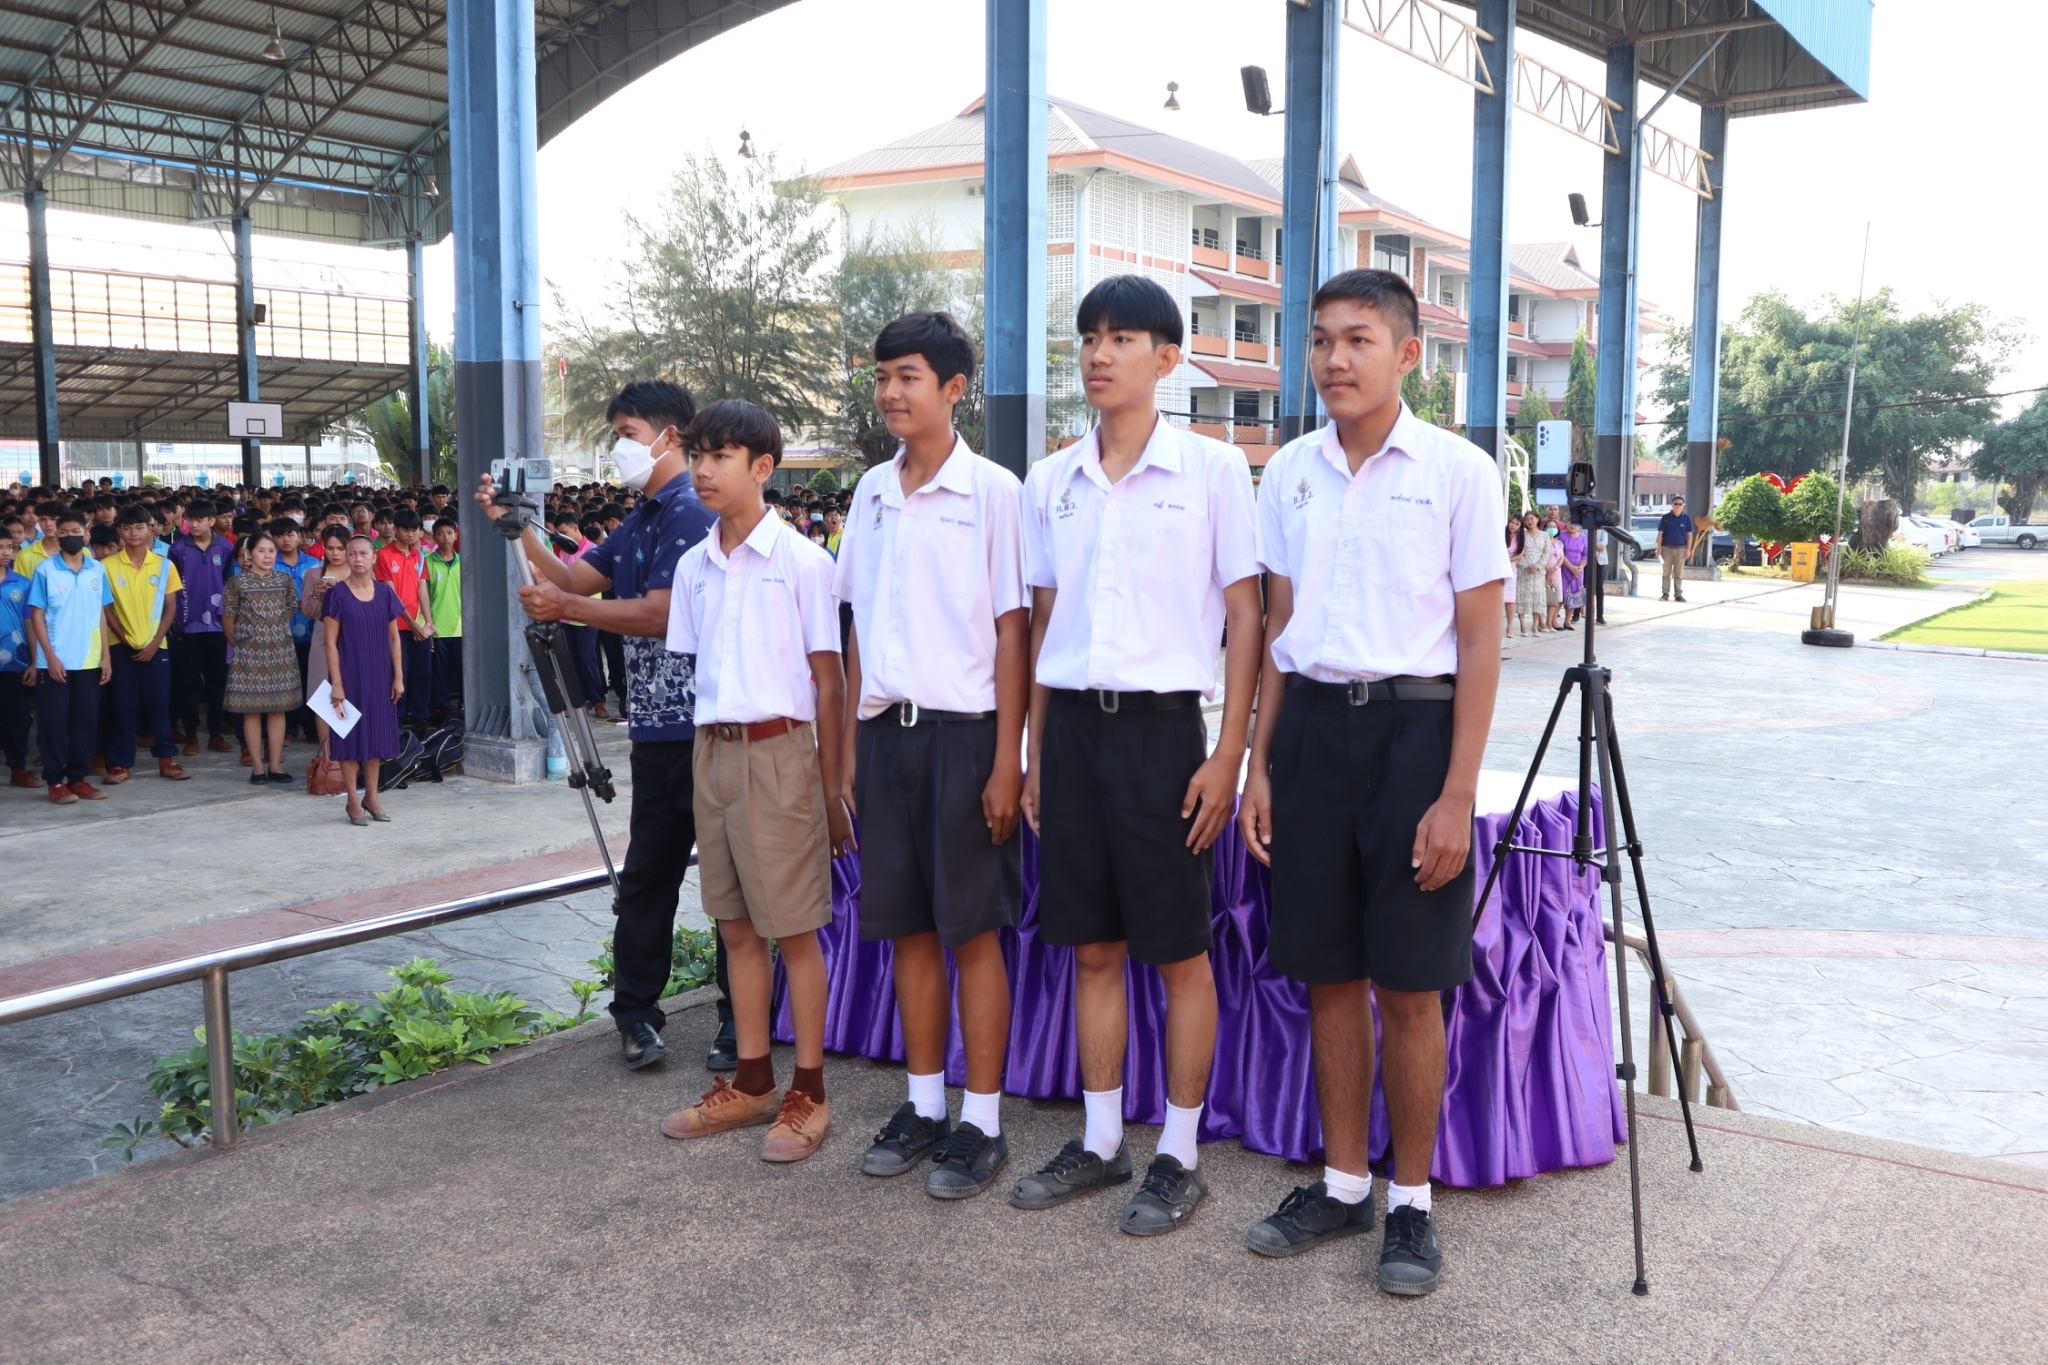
(13, 622)
(641, 557)
(71, 600)
(302, 627)
(1674, 530)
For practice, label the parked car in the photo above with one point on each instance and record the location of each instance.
(1911, 532)
(1950, 533)
(1999, 530)
(1967, 537)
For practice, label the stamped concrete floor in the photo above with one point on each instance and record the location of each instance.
(532, 1211)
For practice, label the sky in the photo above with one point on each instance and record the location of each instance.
(1938, 163)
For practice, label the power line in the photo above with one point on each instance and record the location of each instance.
(1870, 407)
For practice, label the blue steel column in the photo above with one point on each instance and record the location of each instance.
(245, 342)
(1308, 196)
(1493, 122)
(42, 338)
(1013, 233)
(1703, 415)
(493, 136)
(416, 328)
(1614, 376)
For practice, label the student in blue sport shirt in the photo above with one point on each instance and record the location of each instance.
(66, 622)
(15, 693)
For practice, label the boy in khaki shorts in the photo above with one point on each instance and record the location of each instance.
(753, 601)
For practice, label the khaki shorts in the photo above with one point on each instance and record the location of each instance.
(761, 839)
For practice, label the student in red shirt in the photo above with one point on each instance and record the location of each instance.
(403, 565)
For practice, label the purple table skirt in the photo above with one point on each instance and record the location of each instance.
(1530, 1087)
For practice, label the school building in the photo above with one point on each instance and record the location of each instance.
(1123, 198)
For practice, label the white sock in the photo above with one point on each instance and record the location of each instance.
(1398, 1195)
(1105, 1131)
(1347, 1189)
(1177, 1138)
(928, 1093)
(983, 1111)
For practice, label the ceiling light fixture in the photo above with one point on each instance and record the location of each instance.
(746, 143)
(1172, 96)
(273, 51)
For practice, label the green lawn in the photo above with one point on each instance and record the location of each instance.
(2016, 618)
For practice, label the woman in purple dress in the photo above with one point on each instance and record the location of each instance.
(1572, 541)
(364, 667)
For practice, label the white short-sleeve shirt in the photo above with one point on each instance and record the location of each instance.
(1140, 565)
(928, 571)
(1375, 558)
(753, 619)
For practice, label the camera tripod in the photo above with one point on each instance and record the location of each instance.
(555, 667)
(1597, 746)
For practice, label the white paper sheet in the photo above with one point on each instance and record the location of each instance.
(322, 705)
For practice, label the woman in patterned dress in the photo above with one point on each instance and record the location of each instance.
(263, 674)
(1532, 566)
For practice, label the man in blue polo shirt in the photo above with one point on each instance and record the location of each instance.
(1674, 534)
(65, 620)
(637, 564)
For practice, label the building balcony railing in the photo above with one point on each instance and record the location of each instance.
(1246, 434)
(1207, 345)
(1214, 258)
(1256, 351)
(1249, 262)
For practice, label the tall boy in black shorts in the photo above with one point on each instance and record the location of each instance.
(932, 563)
(1138, 544)
(1380, 533)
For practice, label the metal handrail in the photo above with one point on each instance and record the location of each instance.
(212, 969)
(1720, 1095)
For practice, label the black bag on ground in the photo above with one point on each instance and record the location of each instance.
(399, 772)
(442, 752)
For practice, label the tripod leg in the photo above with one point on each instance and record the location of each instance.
(1660, 990)
(1507, 836)
(1611, 874)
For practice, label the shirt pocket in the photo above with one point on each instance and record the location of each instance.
(1174, 543)
(1407, 546)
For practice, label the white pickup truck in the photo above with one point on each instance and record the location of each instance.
(1999, 530)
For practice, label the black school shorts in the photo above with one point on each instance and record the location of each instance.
(1113, 860)
(926, 863)
(1350, 784)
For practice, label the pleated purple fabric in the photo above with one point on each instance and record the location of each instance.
(1530, 1085)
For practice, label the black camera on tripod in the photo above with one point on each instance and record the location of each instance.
(1587, 511)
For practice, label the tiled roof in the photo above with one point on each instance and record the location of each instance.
(1069, 128)
(1237, 376)
(1237, 288)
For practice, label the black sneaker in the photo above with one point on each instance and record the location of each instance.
(725, 1049)
(967, 1163)
(1308, 1218)
(642, 1045)
(278, 779)
(1075, 1171)
(1165, 1200)
(1410, 1259)
(904, 1141)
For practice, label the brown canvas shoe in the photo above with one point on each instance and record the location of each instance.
(722, 1108)
(191, 746)
(799, 1128)
(218, 744)
(60, 795)
(116, 776)
(24, 778)
(172, 769)
(86, 791)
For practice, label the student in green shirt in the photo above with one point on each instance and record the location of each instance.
(444, 604)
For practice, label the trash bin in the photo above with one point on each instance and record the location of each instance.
(1805, 560)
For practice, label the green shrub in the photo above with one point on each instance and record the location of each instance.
(1895, 563)
(693, 961)
(824, 481)
(414, 1029)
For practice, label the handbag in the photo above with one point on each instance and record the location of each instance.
(323, 777)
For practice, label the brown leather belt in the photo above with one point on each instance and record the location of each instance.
(759, 730)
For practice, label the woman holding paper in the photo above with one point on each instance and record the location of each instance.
(366, 670)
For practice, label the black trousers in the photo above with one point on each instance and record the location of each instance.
(447, 676)
(613, 649)
(68, 718)
(664, 834)
(199, 678)
(16, 702)
(140, 696)
(299, 720)
(418, 657)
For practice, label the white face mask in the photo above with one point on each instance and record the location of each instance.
(635, 461)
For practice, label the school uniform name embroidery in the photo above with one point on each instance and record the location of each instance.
(1303, 494)
(1412, 499)
(1066, 506)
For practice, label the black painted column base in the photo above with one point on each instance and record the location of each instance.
(1015, 431)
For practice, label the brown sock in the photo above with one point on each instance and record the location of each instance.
(810, 1080)
(756, 1076)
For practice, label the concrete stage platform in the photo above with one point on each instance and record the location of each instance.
(531, 1210)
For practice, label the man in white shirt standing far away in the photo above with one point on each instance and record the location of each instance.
(1138, 544)
(1381, 536)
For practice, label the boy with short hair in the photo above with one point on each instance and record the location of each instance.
(1381, 536)
(199, 651)
(753, 602)
(15, 654)
(65, 621)
(145, 589)
(444, 596)
(1139, 547)
(403, 565)
(937, 684)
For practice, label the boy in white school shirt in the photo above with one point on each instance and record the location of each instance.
(1380, 533)
(753, 601)
(1139, 545)
(932, 561)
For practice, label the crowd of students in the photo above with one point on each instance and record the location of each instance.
(949, 652)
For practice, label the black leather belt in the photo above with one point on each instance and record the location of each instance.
(1360, 692)
(1112, 702)
(908, 713)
